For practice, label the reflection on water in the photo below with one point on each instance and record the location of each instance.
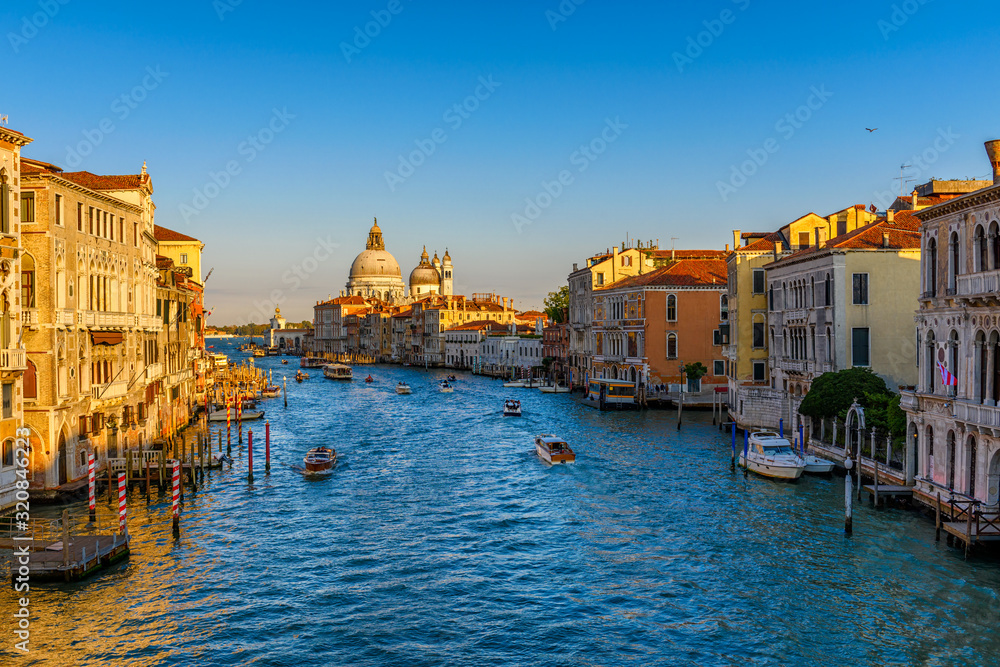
(441, 538)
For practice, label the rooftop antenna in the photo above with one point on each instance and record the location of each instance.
(902, 178)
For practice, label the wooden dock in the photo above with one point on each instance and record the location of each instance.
(62, 550)
(889, 491)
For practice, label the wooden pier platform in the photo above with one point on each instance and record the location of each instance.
(890, 491)
(85, 555)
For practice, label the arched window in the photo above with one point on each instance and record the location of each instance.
(828, 291)
(982, 261)
(724, 308)
(931, 287)
(671, 346)
(770, 297)
(27, 281)
(4, 202)
(950, 472)
(952, 261)
(671, 308)
(971, 465)
(829, 345)
(930, 451)
(930, 369)
(812, 292)
(953, 361)
(995, 245)
(981, 360)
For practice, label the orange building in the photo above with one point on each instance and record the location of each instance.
(647, 327)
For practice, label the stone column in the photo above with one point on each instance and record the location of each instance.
(990, 374)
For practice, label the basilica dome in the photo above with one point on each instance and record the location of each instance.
(424, 275)
(375, 272)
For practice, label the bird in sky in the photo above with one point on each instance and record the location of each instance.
(871, 129)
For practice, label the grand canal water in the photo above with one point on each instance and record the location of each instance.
(441, 539)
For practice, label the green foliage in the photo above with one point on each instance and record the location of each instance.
(831, 394)
(695, 371)
(556, 303)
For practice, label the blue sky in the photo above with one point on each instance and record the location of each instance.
(669, 98)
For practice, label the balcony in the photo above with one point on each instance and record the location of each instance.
(979, 416)
(154, 372)
(29, 317)
(982, 286)
(178, 377)
(65, 317)
(791, 365)
(797, 315)
(110, 390)
(13, 359)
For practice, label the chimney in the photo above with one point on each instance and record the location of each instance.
(778, 248)
(885, 239)
(727, 247)
(993, 151)
(914, 197)
(736, 239)
(890, 215)
(574, 267)
(505, 303)
(614, 266)
(819, 242)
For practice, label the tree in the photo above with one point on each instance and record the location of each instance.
(831, 394)
(695, 371)
(556, 304)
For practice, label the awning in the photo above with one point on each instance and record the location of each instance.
(106, 337)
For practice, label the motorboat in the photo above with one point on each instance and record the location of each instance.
(817, 466)
(338, 372)
(257, 352)
(319, 459)
(246, 415)
(512, 408)
(452, 378)
(369, 379)
(553, 449)
(518, 384)
(300, 376)
(284, 362)
(554, 389)
(312, 362)
(770, 455)
(403, 388)
(445, 388)
(270, 392)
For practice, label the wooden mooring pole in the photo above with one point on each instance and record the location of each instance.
(250, 456)
(848, 497)
(267, 447)
(937, 519)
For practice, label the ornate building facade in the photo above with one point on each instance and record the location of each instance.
(375, 274)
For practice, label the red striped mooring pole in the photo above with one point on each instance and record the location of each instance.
(91, 487)
(229, 432)
(176, 500)
(121, 502)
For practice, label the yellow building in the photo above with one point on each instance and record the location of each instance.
(14, 206)
(184, 250)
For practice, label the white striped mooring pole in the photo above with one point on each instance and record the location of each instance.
(121, 502)
(91, 487)
(176, 499)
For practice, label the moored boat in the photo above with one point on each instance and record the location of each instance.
(312, 362)
(270, 392)
(770, 455)
(247, 415)
(319, 459)
(817, 466)
(257, 352)
(516, 384)
(554, 389)
(512, 408)
(553, 449)
(338, 372)
(403, 388)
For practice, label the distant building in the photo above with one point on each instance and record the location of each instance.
(283, 338)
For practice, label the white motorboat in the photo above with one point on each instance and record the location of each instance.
(554, 389)
(220, 415)
(512, 408)
(445, 388)
(403, 388)
(816, 465)
(517, 384)
(770, 455)
(553, 449)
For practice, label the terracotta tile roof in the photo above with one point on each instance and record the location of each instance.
(687, 254)
(531, 314)
(904, 234)
(96, 182)
(753, 235)
(32, 166)
(477, 325)
(765, 244)
(164, 234)
(346, 301)
(702, 272)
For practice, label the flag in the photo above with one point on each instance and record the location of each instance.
(873, 209)
(946, 377)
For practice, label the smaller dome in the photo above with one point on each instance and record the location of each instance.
(447, 257)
